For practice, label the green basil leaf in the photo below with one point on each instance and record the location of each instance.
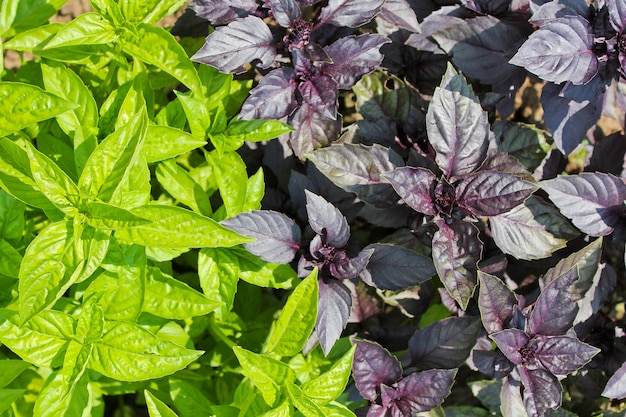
(335, 409)
(29, 14)
(164, 142)
(256, 271)
(58, 399)
(283, 410)
(232, 179)
(8, 11)
(304, 404)
(255, 190)
(75, 362)
(81, 123)
(128, 352)
(267, 374)
(156, 407)
(10, 260)
(111, 161)
(175, 227)
(30, 40)
(217, 85)
(197, 113)
(240, 131)
(149, 11)
(8, 396)
(11, 218)
(21, 105)
(11, 369)
(172, 299)
(86, 29)
(42, 341)
(290, 332)
(179, 184)
(218, 270)
(105, 216)
(329, 385)
(134, 190)
(189, 400)
(156, 46)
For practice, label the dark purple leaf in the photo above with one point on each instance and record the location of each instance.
(616, 387)
(230, 47)
(326, 220)
(560, 51)
(400, 14)
(348, 268)
(349, 13)
(285, 11)
(457, 126)
(602, 286)
(593, 201)
(571, 110)
(617, 15)
(415, 186)
(423, 391)
(396, 268)
(542, 391)
(353, 57)
(503, 162)
(551, 10)
(481, 47)
(436, 21)
(273, 98)
(445, 343)
(364, 305)
(373, 365)
(358, 168)
(489, 193)
(554, 312)
(495, 301)
(321, 94)
(608, 155)
(456, 252)
(586, 261)
(277, 236)
(563, 355)
(312, 130)
(376, 410)
(492, 363)
(334, 304)
(222, 12)
(511, 342)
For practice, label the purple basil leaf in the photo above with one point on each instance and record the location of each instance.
(273, 98)
(542, 391)
(551, 10)
(511, 403)
(504, 162)
(376, 410)
(353, 57)
(608, 155)
(277, 236)
(423, 391)
(312, 130)
(351, 13)
(560, 51)
(495, 301)
(305, 3)
(571, 110)
(481, 47)
(617, 15)
(563, 355)
(510, 342)
(489, 193)
(415, 187)
(400, 14)
(326, 220)
(436, 21)
(230, 47)
(444, 344)
(358, 168)
(602, 286)
(334, 304)
(364, 305)
(593, 201)
(616, 387)
(373, 365)
(554, 312)
(222, 12)
(396, 268)
(457, 126)
(492, 363)
(349, 268)
(285, 11)
(456, 252)
(321, 94)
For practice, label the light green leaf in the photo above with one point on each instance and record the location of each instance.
(21, 105)
(156, 46)
(218, 270)
(179, 184)
(283, 410)
(149, 11)
(11, 369)
(110, 162)
(335, 409)
(60, 150)
(110, 9)
(267, 374)
(256, 271)
(329, 385)
(189, 400)
(106, 216)
(29, 40)
(8, 11)
(197, 113)
(10, 260)
(175, 227)
(33, 13)
(164, 142)
(16, 177)
(255, 190)
(305, 405)
(156, 407)
(172, 299)
(81, 123)
(86, 29)
(52, 181)
(8, 396)
(290, 332)
(42, 341)
(128, 352)
(230, 171)
(240, 131)
(134, 190)
(75, 362)
(57, 399)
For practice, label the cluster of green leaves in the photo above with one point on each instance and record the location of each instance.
(117, 163)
